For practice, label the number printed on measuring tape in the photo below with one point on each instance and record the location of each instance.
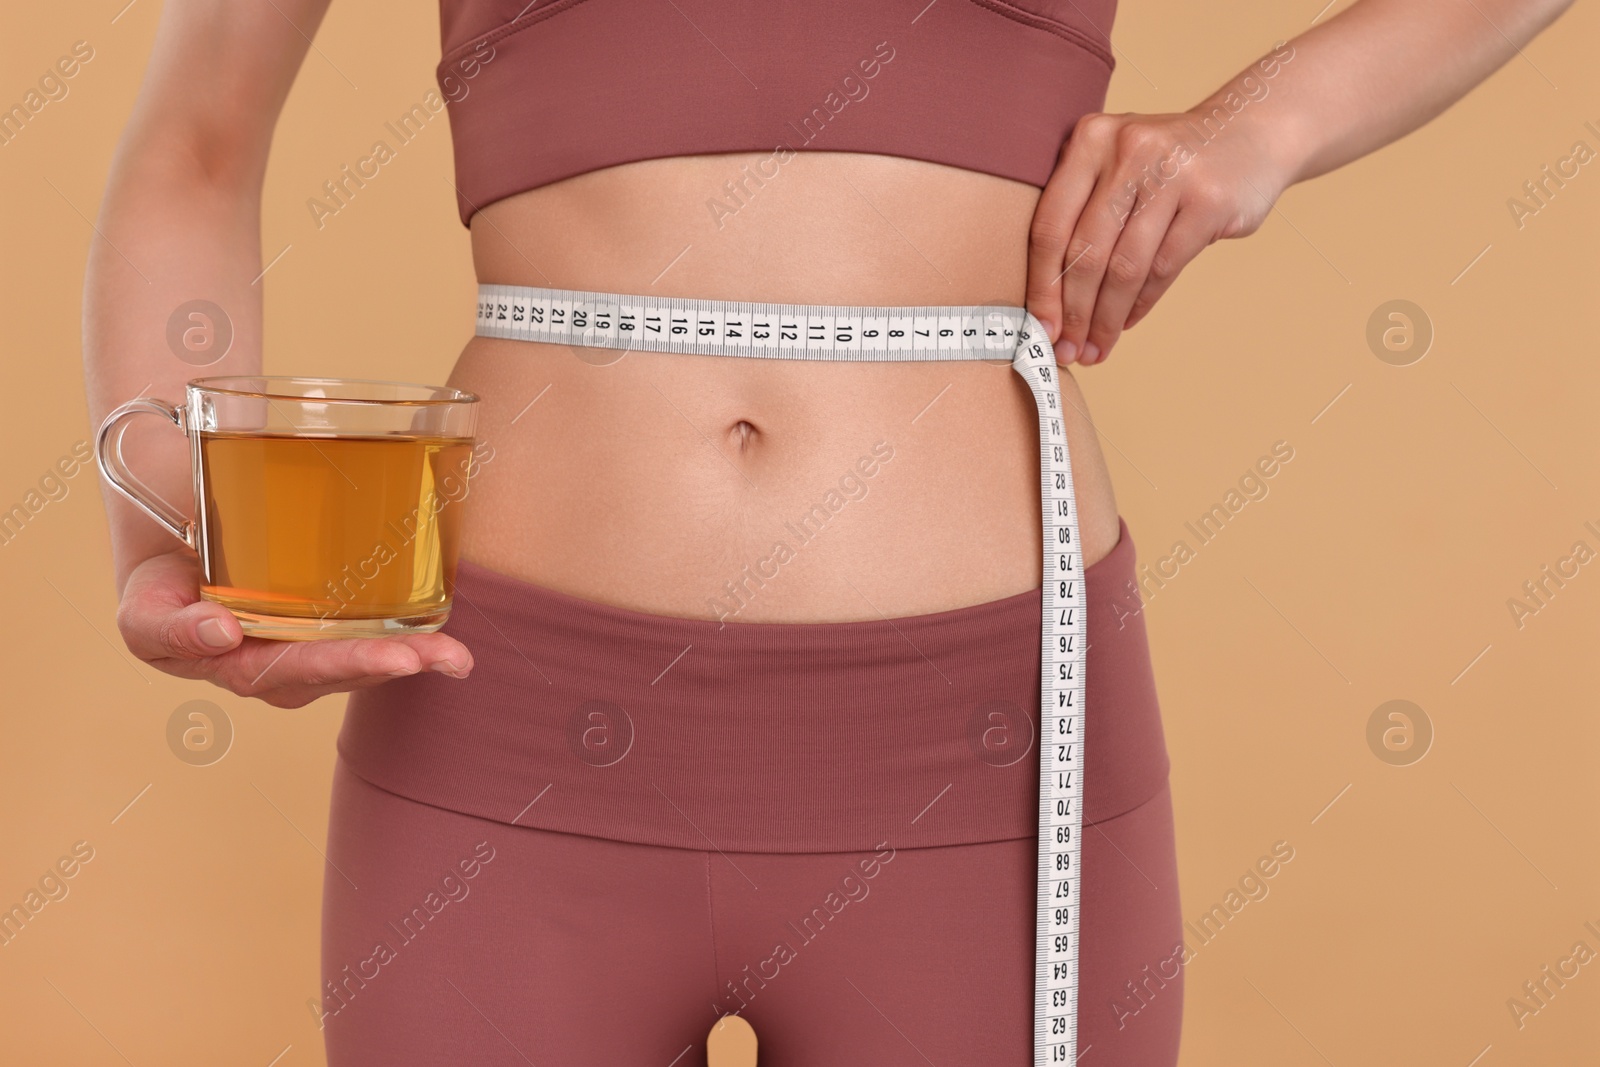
(1058, 920)
(653, 324)
(872, 334)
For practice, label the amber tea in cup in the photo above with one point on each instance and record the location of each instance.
(325, 507)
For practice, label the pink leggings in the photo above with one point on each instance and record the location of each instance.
(625, 825)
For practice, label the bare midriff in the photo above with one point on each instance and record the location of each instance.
(758, 490)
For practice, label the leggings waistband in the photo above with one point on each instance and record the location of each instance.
(593, 719)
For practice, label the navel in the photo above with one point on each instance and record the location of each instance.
(743, 435)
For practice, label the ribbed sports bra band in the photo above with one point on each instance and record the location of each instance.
(993, 86)
(911, 334)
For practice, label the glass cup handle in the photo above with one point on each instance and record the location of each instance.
(108, 450)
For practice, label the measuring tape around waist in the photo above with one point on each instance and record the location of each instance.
(909, 334)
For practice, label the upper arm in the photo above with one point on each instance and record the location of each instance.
(218, 75)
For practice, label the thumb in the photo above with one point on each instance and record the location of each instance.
(1047, 318)
(200, 631)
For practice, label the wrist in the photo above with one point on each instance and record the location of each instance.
(1255, 113)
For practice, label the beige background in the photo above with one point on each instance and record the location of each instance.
(1418, 501)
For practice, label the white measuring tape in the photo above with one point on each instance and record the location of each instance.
(874, 334)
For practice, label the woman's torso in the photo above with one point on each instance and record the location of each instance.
(666, 483)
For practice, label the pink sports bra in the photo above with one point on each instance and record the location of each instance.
(546, 90)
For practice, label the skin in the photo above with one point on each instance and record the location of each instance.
(719, 453)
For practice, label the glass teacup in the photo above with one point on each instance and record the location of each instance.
(324, 507)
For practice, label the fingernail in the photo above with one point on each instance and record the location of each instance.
(449, 667)
(212, 633)
(1091, 352)
(403, 672)
(1068, 350)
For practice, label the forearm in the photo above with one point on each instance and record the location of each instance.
(175, 228)
(1375, 72)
